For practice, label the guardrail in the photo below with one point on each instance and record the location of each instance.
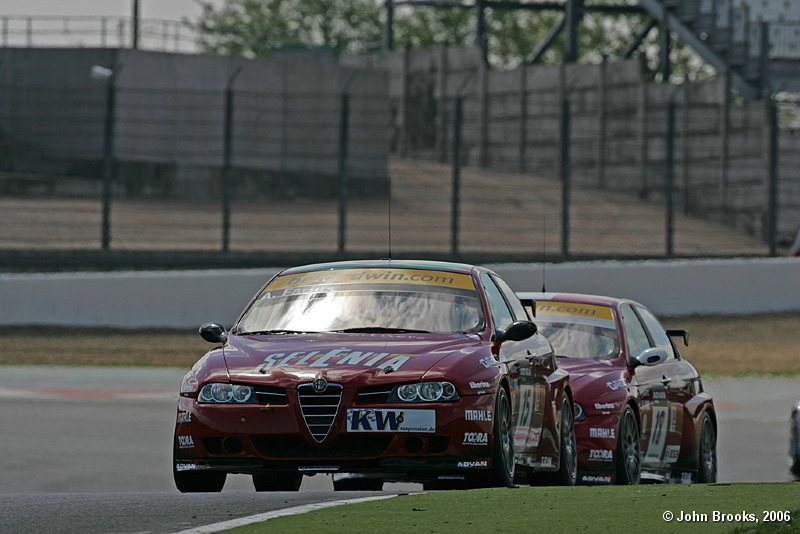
(185, 299)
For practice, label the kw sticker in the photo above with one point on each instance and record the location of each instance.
(391, 420)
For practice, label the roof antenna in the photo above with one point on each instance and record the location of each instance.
(544, 250)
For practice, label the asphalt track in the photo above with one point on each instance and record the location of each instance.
(89, 450)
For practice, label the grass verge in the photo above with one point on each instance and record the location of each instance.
(740, 508)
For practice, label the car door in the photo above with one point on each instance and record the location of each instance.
(677, 379)
(528, 382)
(654, 407)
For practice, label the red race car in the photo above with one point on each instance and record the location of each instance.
(376, 371)
(641, 410)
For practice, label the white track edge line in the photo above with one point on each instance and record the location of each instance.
(242, 521)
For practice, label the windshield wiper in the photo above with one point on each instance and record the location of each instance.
(380, 330)
(273, 332)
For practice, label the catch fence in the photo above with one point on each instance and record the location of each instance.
(244, 165)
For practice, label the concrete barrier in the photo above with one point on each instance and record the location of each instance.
(185, 299)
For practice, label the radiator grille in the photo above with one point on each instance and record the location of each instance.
(319, 409)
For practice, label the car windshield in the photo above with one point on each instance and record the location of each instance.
(371, 300)
(578, 330)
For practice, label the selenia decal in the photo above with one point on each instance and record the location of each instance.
(335, 357)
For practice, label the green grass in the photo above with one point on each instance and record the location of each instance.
(553, 510)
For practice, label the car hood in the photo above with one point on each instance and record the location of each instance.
(353, 360)
(596, 380)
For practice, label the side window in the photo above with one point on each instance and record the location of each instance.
(657, 333)
(511, 298)
(635, 336)
(501, 315)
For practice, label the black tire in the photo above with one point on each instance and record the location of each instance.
(707, 452)
(629, 451)
(199, 481)
(358, 484)
(501, 471)
(567, 473)
(280, 481)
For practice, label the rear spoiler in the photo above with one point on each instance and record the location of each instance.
(680, 333)
(529, 304)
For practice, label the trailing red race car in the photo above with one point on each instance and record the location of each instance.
(379, 370)
(642, 412)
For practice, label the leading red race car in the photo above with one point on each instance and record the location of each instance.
(381, 370)
(642, 412)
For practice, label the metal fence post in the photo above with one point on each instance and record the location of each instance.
(687, 106)
(404, 100)
(565, 171)
(343, 133)
(644, 118)
(441, 103)
(388, 28)
(108, 156)
(456, 172)
(602, 124)
(772, 210)
(523, 116)
(670, 177)
(228, 163)
(725, 134)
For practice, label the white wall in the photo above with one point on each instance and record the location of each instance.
(185, 299)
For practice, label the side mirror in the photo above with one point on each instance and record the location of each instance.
(650, 357)
(213, 333)
(516, 331)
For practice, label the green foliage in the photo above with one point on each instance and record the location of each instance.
(253, 28)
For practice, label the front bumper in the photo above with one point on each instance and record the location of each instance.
(253, 439)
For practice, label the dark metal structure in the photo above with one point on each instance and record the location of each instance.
(757, 55)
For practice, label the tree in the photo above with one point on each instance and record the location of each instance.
(253, 28)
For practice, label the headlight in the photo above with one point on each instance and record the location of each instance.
(580, 415)
(424, 392)
(223, 393)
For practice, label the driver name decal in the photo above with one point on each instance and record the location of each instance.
(335, 357)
